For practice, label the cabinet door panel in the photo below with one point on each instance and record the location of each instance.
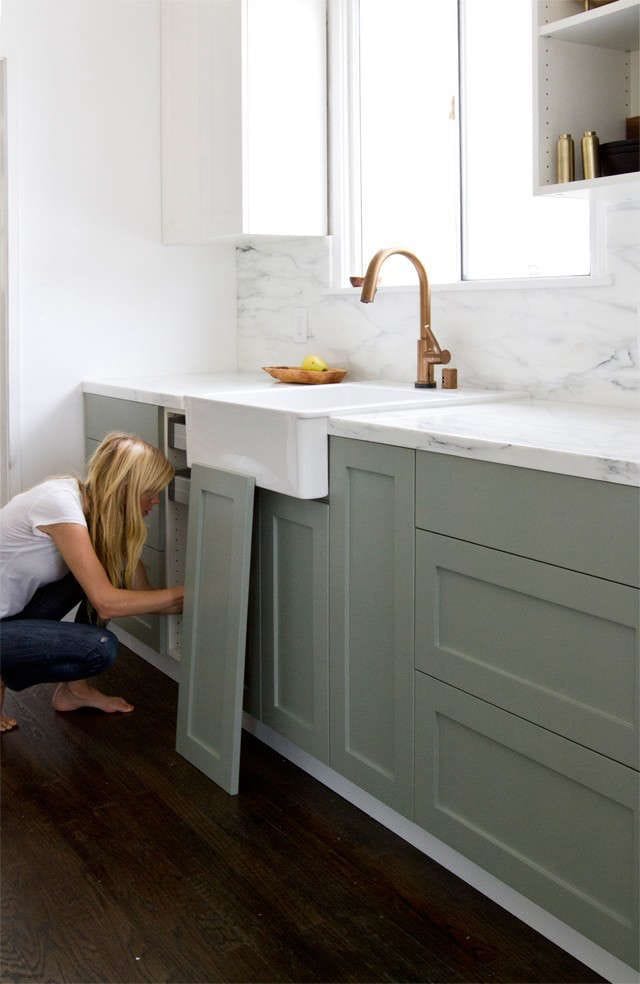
(215, 622)
(372, 564)
(556, 647)
(295, 620)
(552, 819)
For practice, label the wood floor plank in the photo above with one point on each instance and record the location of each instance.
(115, 848)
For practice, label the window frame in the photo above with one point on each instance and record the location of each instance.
(344, 191)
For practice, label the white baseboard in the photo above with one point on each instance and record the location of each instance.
(599, 960)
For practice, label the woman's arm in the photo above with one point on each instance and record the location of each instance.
(74, 543)
(141, 583)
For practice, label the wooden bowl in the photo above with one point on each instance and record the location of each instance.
(293, 374)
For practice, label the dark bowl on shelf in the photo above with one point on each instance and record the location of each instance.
(620, 157)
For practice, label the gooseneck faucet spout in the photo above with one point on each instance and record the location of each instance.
(429, 352)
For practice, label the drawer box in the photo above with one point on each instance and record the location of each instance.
(557, 822)
(103, 414)
(578, 523)
(148, 628)
(155, 521)
(178, 433)
(556, 647)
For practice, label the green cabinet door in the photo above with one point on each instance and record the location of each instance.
(215, 623)
(252, 700)
(371, 633)
(557, 647)
(556, 821)
(294, 554)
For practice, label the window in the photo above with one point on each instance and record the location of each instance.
(432, 144)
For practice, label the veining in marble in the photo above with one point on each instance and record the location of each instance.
(568, 343)
(568, 438)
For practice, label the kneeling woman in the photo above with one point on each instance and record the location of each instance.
(64, 542)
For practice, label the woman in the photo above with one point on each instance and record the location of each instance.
(66, 541)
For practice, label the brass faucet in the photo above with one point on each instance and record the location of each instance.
(429, 352)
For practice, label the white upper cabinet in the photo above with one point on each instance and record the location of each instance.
(244, 128)
(585, 78)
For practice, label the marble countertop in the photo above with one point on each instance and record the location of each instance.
(568, 438)
(170, 390)
(578, 439)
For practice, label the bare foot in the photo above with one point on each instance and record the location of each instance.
(71, 696)
(6, 723)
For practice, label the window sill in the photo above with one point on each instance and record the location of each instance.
(535, 283)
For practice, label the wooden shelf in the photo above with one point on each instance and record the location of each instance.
(616, 26)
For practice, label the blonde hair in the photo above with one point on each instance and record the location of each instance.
(121, 470)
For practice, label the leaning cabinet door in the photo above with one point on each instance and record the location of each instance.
(215, 623)
(372, 567)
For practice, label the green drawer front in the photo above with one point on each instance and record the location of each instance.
(556, 647)
(104, 413)
(556, 821)
(148, 628)
(577, 523)
(155, 521)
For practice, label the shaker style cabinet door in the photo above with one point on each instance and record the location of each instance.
(372, 544)
(215, 623)
(554, 820)
(295, 620)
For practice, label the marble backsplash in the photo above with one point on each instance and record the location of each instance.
(569, 343)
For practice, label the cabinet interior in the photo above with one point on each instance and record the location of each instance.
(587, 77)
(176, 514)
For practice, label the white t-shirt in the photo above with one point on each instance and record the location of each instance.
(28, 557)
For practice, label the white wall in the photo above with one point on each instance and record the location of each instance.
(578, 343)
(92, 290)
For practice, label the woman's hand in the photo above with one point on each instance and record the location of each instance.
(74, 544)
(141, 583)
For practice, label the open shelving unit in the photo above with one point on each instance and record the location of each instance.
(586, 77)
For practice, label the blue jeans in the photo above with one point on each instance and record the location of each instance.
(36, 647)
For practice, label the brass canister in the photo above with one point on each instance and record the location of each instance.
(449, 379)
(565, 159)
(590, 154)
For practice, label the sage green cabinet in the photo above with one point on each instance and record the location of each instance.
(214, 624)
(103, 414)
(371, 634)
(557, 647)
(252, 698)
(555, 820)
(577, 523)
(294, 607)
(527, 726)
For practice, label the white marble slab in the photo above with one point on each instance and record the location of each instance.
(564, 342)
(170, 390)
(568, 438)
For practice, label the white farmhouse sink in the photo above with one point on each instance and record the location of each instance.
(278, 434)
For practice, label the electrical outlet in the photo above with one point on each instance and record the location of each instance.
(301, 324)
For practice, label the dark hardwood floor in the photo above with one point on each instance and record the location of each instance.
(123, 863)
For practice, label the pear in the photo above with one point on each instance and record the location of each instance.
(314, 363)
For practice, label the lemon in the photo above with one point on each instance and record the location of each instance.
(314, 363)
